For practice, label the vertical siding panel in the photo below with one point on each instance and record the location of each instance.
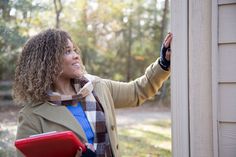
(200, 82)
(179, 79)
(215, 88)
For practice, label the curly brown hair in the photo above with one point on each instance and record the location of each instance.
(38, 65)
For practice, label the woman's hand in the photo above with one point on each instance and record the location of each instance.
(78, 153)
(167, 44)
(90, 151)
(90, 146)
(165, 55)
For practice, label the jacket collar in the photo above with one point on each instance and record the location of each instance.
(60, 115)
(54, 113)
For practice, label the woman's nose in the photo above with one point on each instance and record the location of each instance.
(75, 55)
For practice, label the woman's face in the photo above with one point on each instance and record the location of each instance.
(71, 63)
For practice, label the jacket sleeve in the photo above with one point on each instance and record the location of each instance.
(136, 92)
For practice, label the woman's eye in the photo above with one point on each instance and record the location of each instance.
(71, 51)
(67, 52)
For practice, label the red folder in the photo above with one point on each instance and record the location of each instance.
(54, 144)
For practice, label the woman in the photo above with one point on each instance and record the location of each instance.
(58, 95)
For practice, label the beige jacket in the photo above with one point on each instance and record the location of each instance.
(44, 117)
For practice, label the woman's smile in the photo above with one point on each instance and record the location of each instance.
(76, 65)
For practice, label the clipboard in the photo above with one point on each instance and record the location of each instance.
(52, 144)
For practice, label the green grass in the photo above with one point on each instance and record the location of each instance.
(7, 148)
(146, 139)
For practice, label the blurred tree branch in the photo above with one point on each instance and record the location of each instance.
(58, 9)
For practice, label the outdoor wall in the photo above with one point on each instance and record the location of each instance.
(226, 79)
(203, 80)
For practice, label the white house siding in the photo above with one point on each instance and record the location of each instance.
(227, 78)
(200, 82)
(203, 80)
(191, 83)
(179, 79)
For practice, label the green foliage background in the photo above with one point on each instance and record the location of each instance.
(106, 32)
(118, 40)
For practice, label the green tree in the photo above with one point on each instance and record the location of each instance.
(118, 39)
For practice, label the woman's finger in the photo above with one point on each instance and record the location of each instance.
(168, 40)
(167, 36)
